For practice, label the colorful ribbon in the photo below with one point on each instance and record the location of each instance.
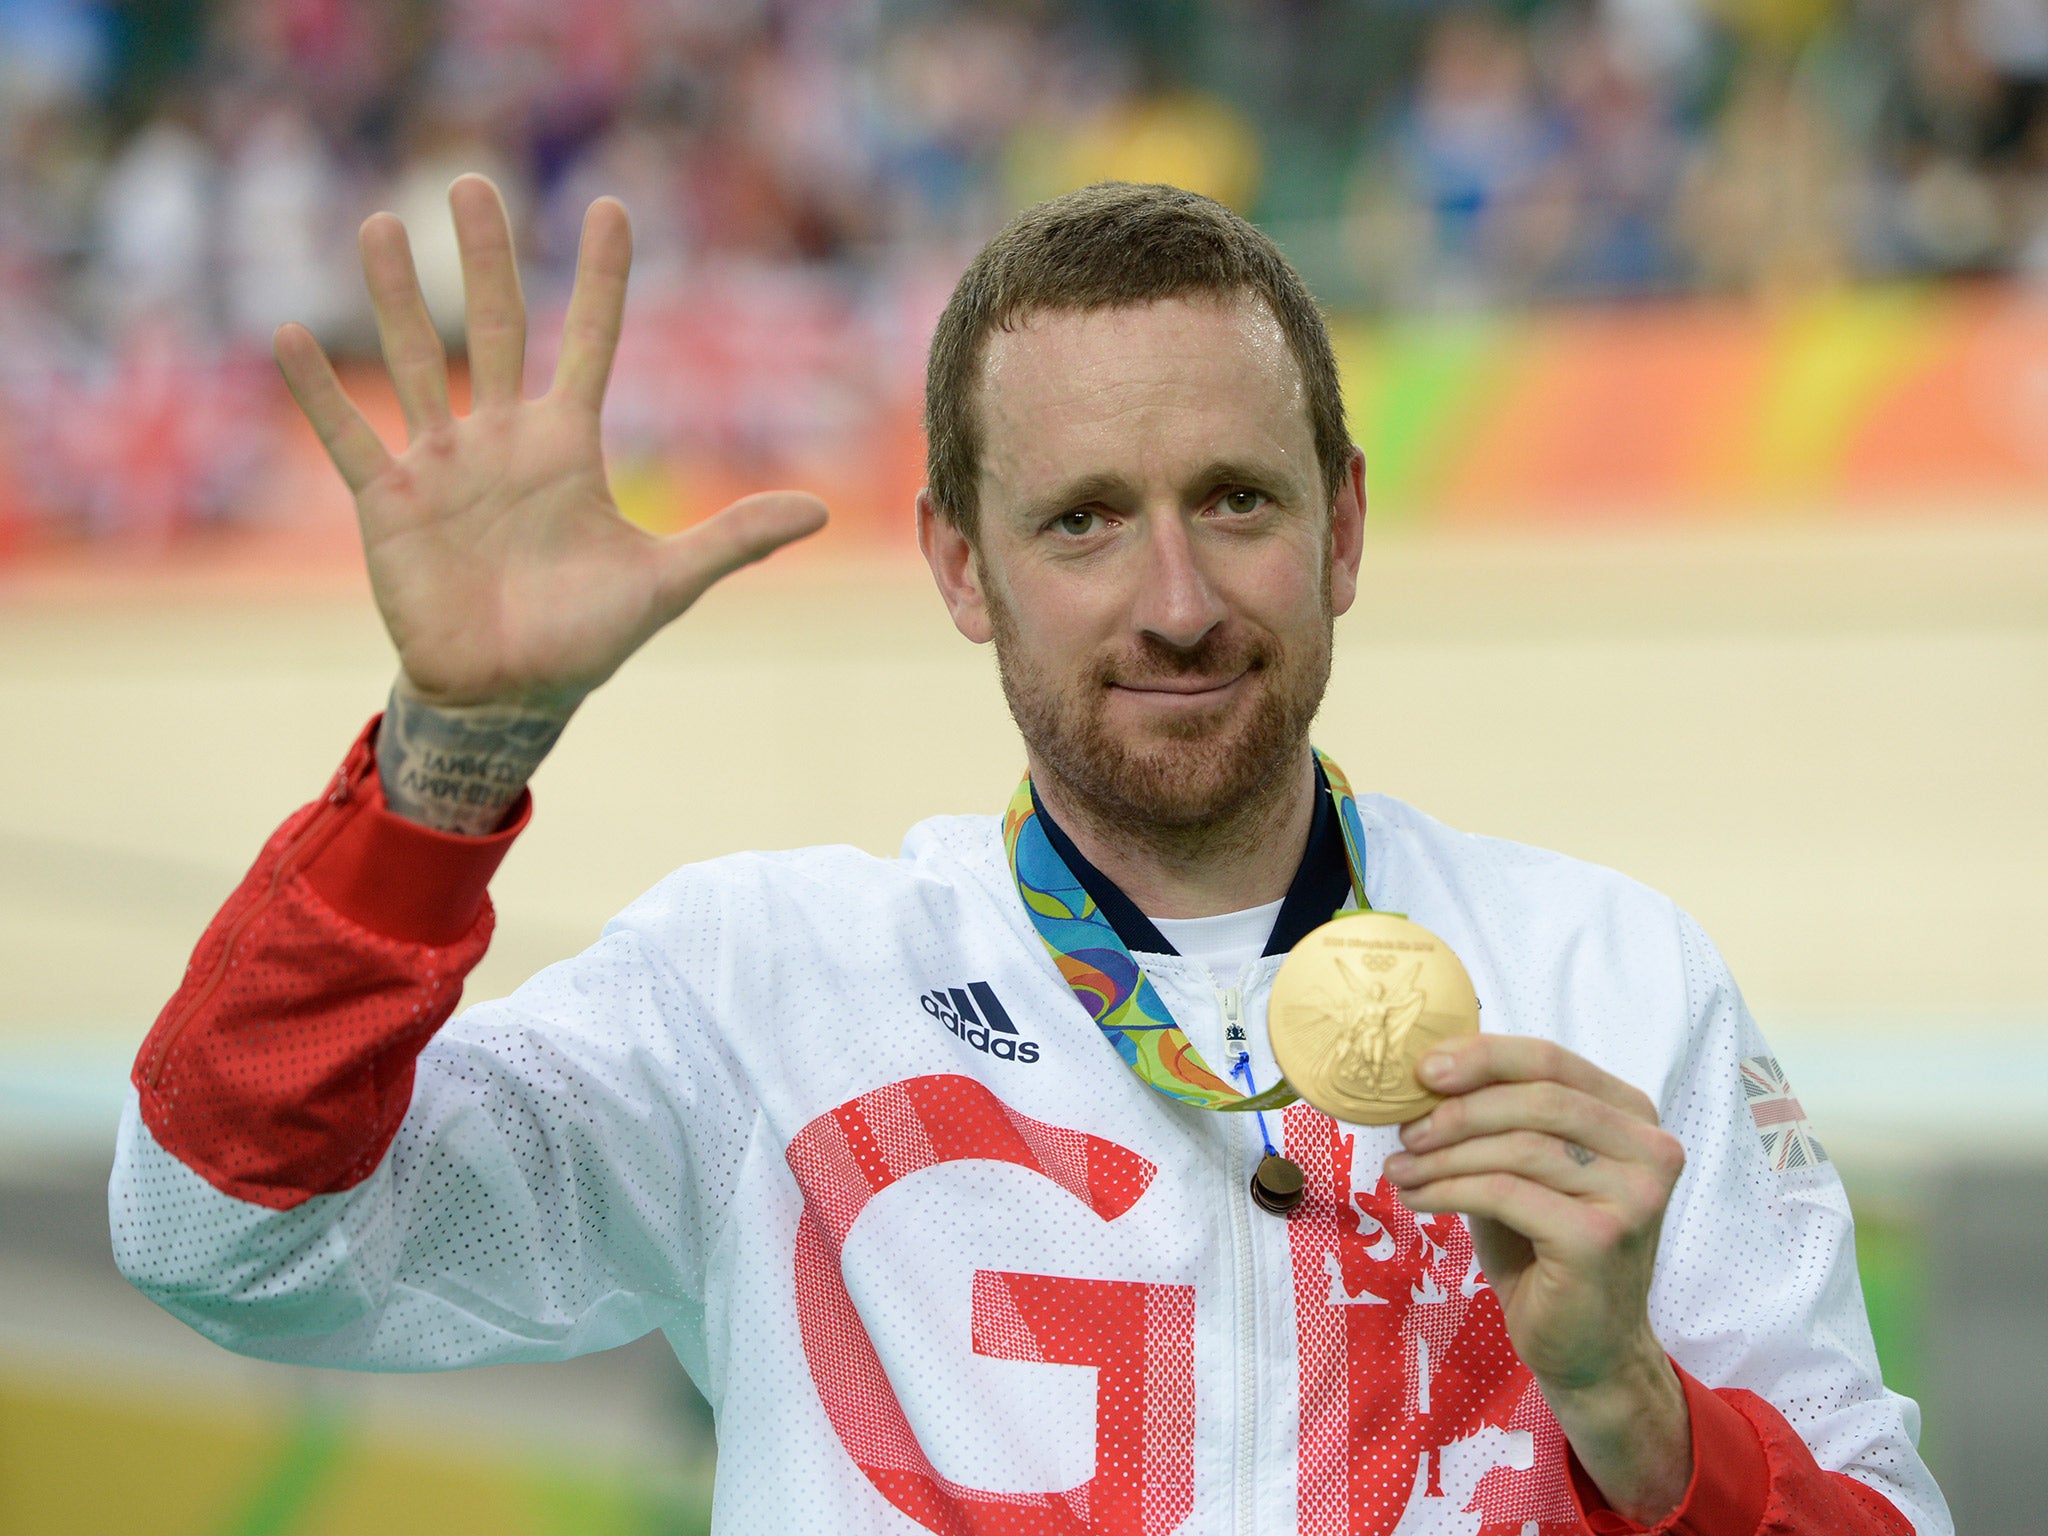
(1108, 981)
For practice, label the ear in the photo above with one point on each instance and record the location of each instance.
(956, 567)
(1347, 534)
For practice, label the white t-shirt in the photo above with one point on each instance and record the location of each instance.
(1226, 943)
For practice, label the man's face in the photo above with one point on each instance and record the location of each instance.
(1157, 560)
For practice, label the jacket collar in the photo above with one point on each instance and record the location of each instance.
(1321, 884)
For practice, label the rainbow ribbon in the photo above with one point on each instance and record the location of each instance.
(1108, 981)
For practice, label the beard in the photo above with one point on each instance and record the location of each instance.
(1187, 778)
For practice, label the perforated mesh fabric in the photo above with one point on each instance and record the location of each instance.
(1775, 1289)
(283, 1064)
(643, 1136)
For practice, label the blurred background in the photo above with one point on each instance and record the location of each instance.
(1699, 349)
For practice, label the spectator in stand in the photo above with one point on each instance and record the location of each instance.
(1625, 156)
(1935, 203)
(643, 159)
(450, 132)
(1485, 161)
(153, 247)
(2012, 37)
(955, 94)
(1767, 202)
(281, 225)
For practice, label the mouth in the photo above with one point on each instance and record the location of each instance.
(1182, 691)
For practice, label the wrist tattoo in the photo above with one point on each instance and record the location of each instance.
(458, 770)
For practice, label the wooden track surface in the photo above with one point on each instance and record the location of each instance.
(1828, 742)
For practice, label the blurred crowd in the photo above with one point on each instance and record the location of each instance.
(177, 176)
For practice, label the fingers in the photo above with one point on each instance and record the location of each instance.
(1551, 1161)
(748, 530)
(412, 348)
(1566, 1113)
(494, 309)
(351, 442)
(1542, 1215)
(1546, 1135)
(590, 330)
(1458, 1066)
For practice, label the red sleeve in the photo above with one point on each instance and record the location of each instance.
(1751, 1476)
(282, 1066)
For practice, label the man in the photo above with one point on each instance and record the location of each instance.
(887, 1147)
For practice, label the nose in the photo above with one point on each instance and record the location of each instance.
(1176, 602)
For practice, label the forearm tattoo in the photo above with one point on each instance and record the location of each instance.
(458, 770)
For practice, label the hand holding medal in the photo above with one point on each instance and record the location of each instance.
(1560, 1169)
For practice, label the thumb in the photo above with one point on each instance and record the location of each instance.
(751, 529)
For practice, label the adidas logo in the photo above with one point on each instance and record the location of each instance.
(976, 1016)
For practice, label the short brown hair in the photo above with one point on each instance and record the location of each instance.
(1113, 244)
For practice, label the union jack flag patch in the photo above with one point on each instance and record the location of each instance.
(1781, 1123)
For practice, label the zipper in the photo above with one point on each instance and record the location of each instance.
(1231, 1000)
(337, 796)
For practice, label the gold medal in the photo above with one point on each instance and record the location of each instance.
(1357, 1004)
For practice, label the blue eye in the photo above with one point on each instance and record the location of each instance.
(1242, 501)
(1077, 522)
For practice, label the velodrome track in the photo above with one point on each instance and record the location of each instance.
(1826, 739)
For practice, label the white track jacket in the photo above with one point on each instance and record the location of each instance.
(938, 1260)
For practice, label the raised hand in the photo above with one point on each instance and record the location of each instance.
(1564, 1175)
(507, 578)
(499, 561)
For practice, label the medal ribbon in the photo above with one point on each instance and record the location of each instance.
(1108, 981)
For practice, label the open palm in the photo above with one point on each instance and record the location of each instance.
(499, 561)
